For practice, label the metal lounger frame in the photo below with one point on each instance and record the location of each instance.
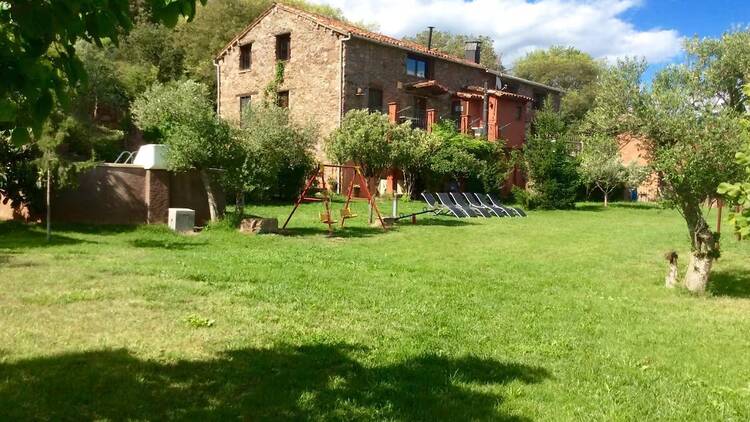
(496, 201)
(447, 202)
(484, 200)
(458, 197)
(473, 200)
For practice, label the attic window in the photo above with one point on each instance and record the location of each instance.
(246, 56)
(283, 46)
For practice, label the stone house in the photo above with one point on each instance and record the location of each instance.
(330, 67)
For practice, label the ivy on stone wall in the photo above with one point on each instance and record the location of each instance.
(271, 93)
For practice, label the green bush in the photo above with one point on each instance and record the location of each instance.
(551, 169)
(474, 162)
(274, 154)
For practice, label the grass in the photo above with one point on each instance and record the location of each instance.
(560, 316)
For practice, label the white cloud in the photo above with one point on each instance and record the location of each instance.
(519, 26)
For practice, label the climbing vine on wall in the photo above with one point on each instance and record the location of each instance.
(271, 94)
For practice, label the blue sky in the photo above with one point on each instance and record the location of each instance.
(606, 29)
(690, 18)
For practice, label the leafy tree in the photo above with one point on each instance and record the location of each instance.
(552, 171)
(19, 175)
(365, 139)
(411, 152)
(269, 145)
(689, 140)
(454, 44)
(618, 99)
(721, 66)
(601, 166)
(102, 88)
(691, 145)
(155, 45)
(466, 158)
(738, 193)
(38, 55)
(181, 116)
(567, 68)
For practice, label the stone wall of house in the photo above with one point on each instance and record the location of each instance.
(311, 75)
(371, 65)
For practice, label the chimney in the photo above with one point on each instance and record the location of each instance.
(429, 37)
(471, 51)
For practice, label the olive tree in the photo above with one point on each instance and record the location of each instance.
(363, 138)
(266, 145)
(602, 168)
(691, 144)
(738, 193)
(180, 115)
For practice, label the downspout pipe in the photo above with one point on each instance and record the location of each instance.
(485, 110)
(218, 87)
(348, 37)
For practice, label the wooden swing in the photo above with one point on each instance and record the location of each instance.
(345, 212)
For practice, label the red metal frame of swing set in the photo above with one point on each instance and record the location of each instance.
(320, 172)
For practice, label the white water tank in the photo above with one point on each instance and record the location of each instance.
(152, 156)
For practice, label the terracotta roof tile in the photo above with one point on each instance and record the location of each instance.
(499, 93)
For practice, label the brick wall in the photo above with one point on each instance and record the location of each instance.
(125, 194)
(312, 74)
(632, 149)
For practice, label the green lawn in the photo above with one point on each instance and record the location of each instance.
(560, 316)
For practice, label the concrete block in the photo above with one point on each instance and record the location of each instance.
(259, 225)
(181, 219)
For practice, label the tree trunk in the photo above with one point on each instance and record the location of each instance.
(239, 200)
(704, 249)
(213, 209)
(606, 199)
(49, 205)
(699, 270)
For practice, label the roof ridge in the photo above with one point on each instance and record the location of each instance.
(346, 28)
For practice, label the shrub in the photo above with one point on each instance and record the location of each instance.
(180, 115)
(470, 161)
(273, 155)
(550, 167)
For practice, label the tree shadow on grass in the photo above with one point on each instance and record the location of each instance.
(599, 207)
(346, 232)
(166, 244)
(16, 235)
(589, 207)
(440, 221)
(316, 381)
(730, 284)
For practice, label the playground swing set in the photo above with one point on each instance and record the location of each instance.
(346, 213)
